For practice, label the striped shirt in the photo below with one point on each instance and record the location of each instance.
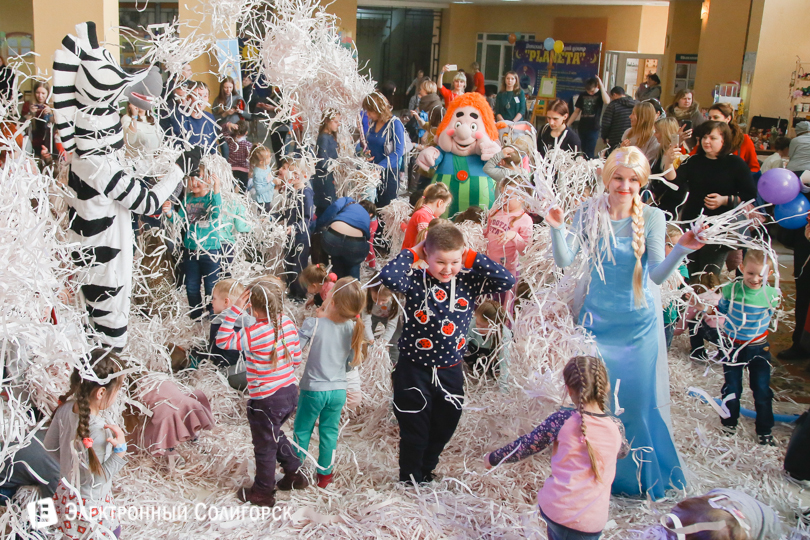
(748, 311)
(258, 341)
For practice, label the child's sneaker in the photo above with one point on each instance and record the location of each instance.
(729, 431)
(325, 479)
(292, 480)
(766, 440)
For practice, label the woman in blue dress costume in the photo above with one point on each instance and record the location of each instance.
(623, 242)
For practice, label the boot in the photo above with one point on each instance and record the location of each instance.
(253, 497)
(325, 479)
(292, 480)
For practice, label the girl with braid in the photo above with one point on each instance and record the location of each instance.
(272, 352)
(586, 442)
(88, 455)
(623, 244)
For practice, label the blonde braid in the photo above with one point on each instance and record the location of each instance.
(639, 246)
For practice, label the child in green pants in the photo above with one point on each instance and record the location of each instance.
(337, 341)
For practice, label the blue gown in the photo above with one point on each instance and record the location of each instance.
(629, 340)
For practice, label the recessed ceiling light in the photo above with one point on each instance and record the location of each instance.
(463, 2)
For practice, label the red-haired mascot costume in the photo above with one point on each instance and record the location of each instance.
(466, 140)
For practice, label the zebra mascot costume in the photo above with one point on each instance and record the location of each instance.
(87, 86)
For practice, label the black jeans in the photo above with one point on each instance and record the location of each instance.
(757, 359)
(698, 335)
(266, 416)
(295, 261)
(801, 271)
(347, 253)
(427, 415)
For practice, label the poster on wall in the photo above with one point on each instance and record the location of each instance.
(227, 52)
(685, 70)
(577, 62)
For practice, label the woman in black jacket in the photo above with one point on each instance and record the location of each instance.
(715, 181)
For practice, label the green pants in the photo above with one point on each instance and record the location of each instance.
(324, 408)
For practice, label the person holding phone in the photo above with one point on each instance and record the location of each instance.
(687, 112)
(459, 84)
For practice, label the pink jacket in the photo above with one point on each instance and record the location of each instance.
(508, 254)
(572, 496)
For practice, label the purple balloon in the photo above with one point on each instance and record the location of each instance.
(779, 186)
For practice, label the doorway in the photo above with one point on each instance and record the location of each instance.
(393, 44)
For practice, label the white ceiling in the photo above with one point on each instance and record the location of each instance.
(438, 4)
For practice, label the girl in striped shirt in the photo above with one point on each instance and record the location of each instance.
(272, 351)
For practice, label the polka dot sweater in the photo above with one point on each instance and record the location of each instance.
(438, 314)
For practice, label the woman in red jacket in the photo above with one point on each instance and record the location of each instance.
(741, 144)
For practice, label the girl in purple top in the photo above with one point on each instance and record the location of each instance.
(586, 443)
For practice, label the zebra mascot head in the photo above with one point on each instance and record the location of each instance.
(88, 85)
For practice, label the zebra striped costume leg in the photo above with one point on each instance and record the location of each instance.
(87, 85)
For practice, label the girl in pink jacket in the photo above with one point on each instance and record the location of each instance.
(508, 233)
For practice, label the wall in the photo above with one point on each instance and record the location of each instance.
(346, 11)
(683, 37)
(651, 39)
(18, 16)
(49, 29)
(776, 58)
(722, 46)
(461, 24)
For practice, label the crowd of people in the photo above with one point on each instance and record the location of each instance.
(444, 309)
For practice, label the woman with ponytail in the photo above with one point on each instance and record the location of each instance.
(574, 501)
(338, 339)
(89, 451)
(623, 243)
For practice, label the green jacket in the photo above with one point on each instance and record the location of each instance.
(232, 220)
(201, 215)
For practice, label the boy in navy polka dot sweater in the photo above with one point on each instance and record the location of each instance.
(428, 379)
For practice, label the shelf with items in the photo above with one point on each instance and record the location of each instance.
(799, 94)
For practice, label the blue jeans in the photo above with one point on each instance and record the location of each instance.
(201, 267)
(346, 253)
(589, 140)
(560, 532)
(387, 190)
(757, 359)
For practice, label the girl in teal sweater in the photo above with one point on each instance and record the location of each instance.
(202, 247)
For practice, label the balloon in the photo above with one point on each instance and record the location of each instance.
(549, 44)
(558, 46)
(779, 186)
(512, 38)
(792, 215)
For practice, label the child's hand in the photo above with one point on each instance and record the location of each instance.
(167, 208)
(243, 300)
(487, 464)
(310, 302)
(555, 216)
(506, 236)
(118, 435)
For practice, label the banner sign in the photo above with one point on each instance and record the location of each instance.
(577, 62)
